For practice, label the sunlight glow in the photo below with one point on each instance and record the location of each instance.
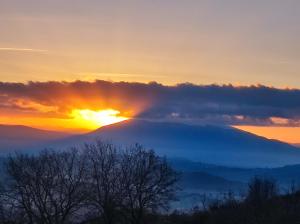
(95, 119)
(286, 134)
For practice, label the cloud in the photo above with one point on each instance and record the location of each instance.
(22, 49)
(225, 104)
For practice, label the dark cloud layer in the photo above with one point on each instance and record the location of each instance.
(227, 104)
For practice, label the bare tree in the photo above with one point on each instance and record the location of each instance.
(261, 190)
(55, 187)
(48, 188)
(127, 183)
(148, 183)
(9, 212)
(104, 179)
(204, 201)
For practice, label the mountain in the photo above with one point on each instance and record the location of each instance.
(207, 182)
(15, 137)
(284, 176)
(218, 145)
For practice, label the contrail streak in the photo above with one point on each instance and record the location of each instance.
(22, 49)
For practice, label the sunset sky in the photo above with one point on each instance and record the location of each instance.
(249, 48)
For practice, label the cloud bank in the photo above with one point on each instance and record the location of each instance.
(216, 104)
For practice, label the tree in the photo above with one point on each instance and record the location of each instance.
(55, 187)
(148, 183)
(48, 188)
(261, 190)
(9, 213)
(104, 179)
(127, 182)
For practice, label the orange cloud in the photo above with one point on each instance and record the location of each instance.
(62, 97)
(51, 105)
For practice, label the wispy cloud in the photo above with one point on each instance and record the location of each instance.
(95, 74)
(23, 49)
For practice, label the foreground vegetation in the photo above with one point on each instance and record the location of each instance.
(101, 183)
(262, 205)
(97, 184)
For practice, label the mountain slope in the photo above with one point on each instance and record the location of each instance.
(15, 137)
(284, 176)
(209, 144)
(208, 182)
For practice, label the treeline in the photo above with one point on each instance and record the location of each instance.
(98, 183)
(263, 204)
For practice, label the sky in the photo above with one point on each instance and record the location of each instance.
(238, 42)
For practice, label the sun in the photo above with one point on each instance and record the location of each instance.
(94, 119)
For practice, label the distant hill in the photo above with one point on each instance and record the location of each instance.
(208, 144)
(16, 137)
(285, 175)
(207, 182)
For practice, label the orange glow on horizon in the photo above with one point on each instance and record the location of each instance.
(78, 120)
(285, 134)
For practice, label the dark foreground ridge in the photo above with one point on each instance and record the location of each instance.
(262, 204)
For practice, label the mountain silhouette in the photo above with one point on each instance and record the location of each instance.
(16, 137)
(219, 145)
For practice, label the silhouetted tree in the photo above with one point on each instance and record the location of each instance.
(48, 188)
(261, 190)
(9, 213)
(101, 182)
(105, 193)
(127, 182)
(148, 182)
